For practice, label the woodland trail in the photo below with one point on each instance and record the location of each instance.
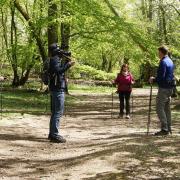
(99, 147)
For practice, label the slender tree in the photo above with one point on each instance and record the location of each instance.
(52, 25)
(65, 26)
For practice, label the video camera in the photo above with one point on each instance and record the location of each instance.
(62, 53)
(55, 50)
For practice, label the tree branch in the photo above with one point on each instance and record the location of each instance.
(174, 8)
(90, 32)
(39, 41)
(130, 30)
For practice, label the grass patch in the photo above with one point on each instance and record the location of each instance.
(90, 89)
(25, 101)
(18, 101)
(35, 102)
(31, 101)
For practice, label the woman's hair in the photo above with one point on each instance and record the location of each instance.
(124, 65)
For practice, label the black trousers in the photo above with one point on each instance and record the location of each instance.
(124, 95)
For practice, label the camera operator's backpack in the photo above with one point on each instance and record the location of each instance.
(175, 92)
(45, 75)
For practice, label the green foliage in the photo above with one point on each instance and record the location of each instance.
(116, 30)
(89, 73)
(26, 55)
(116, 35)
(3, 2)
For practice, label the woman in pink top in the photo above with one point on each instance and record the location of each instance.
(124, 80)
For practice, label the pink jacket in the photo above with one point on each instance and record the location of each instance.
(124, 82)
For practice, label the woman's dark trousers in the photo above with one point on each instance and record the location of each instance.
(124, 96)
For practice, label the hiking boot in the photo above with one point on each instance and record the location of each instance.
(49, 136)
(127, 116)
(120, 116)
(161, 133)
(58, 139)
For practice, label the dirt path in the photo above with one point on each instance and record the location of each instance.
(98, 147)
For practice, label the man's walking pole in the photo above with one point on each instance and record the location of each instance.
(149, 113)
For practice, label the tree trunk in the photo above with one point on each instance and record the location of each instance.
(65, 36)
(5, 36)
(143, 8)
(110, 65)
(25, 76)
(14, 48)
(52, 26)
(150, 12)
(65, 28)
(104, 62)
(40, 43)
(164, 25)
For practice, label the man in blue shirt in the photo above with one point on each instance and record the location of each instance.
(165, 80)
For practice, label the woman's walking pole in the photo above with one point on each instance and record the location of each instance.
(132, 106)
(112, 103)
(1, 94)
(1, 98)
(149, 113)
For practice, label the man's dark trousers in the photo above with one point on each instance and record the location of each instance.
(57, 108)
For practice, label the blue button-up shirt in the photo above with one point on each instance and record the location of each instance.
(165, 73)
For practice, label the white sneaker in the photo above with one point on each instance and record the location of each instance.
(127, 117)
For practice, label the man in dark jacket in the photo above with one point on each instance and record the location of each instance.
(57, 88)
(165, 80)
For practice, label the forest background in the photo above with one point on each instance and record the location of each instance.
(101, 34)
